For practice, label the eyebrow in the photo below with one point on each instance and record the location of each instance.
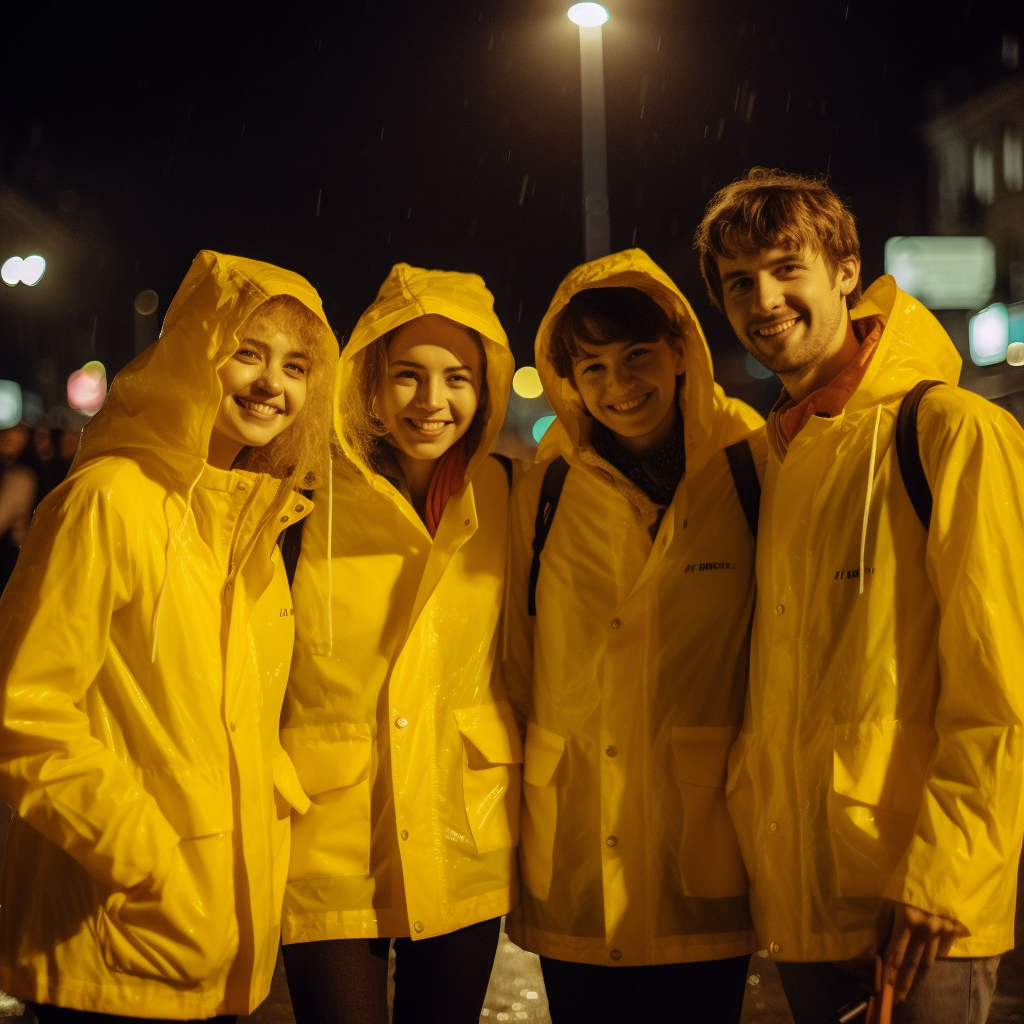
(584, 354)
(420, 366)
(262, 345)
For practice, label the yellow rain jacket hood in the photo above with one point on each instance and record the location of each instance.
(881, 752)
(631, 677)
(411, 759)
(145, 868)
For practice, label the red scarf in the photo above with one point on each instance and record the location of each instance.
(449, 476)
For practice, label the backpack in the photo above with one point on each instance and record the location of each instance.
(291, 540)
(908, 451)
(744, 476)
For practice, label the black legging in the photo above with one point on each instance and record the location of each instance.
(47, 1014)
(442, 980)
(706, 992)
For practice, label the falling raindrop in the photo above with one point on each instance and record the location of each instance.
(522, 191)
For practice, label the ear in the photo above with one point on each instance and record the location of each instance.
(848, 274)
(678, 355)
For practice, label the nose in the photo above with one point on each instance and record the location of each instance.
(767, 295)
(431, 394)
(271, 380)
(622, 375)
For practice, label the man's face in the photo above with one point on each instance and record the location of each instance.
(784, 307)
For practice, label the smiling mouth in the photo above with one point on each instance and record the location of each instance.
(429, 426)
(258, 408)
(633, 403)
(774, 330)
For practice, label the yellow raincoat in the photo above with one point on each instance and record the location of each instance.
(881, 752)
(409, 756)
(146, 864)
(632, 675)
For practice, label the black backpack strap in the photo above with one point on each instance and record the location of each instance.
(909, 454)
(550, 492)
(291, 545)
(744, 476)
(506, 464)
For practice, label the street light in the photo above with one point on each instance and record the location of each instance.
(597, 239)
(17, 271)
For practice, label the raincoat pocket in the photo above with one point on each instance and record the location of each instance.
(180, 923)
(878, 775)
(710, 864)
(491, 751)
(332, 765)
(543, 753)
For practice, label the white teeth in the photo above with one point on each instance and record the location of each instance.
(768, 332)
(431, 426)
(626, 406)
(267, 410)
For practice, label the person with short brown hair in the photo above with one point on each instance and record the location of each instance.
(876, 785)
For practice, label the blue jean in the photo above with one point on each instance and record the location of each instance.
(954, 991)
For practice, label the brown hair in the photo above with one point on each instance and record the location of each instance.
(772, 208)
(300, 457)
(363, 430)
(606, 316)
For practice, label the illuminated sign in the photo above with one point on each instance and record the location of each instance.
(943, 272)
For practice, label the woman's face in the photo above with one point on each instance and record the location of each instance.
(432, 388)
(264, 381)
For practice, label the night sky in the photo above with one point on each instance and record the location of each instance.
(338, 139)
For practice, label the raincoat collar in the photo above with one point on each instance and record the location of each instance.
(913, 347)
(163, 404)
(411, 292)
(701, 400)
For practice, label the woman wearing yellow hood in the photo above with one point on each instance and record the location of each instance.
(145, 639)
(410, 757)
(631, 589)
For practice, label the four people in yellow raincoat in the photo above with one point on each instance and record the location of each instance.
(167, 805)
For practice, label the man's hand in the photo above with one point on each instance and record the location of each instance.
(917, 938)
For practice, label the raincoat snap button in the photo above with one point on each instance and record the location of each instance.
(299, 508)
(779, 609)
(616, 623)
(611, 751)
(774, 947)
(418, 925)
(616, 954)
(467, 522)
(774, 826)
(284, 519)
(241, 487)
(401, 723)
(611, 841)
(232, 725)
(405, 833)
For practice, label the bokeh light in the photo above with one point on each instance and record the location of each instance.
(989, 334)
(526, 382)
(540, 428)
(755, 369)
(588, 15)
(10, 403)
(16, 270)
(11, 271)
(87, 387)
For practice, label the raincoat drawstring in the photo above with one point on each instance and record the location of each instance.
(867, 496)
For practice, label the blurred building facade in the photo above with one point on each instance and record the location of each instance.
(975, 156)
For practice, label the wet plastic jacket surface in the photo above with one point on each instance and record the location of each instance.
(410, 757)
(145, 868)
(631, 678)
(881, 750)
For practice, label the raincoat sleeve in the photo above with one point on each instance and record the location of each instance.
(517, 661)
(971, 818)
(72, 575)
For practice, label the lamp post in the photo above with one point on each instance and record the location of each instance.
(596, 223)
